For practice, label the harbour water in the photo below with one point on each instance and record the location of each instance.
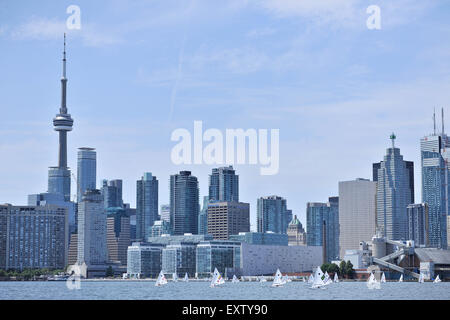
(146, 290)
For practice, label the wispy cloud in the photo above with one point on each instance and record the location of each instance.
(42, 28)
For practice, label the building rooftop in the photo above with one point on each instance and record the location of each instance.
(438, 256)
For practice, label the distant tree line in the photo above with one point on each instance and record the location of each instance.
(28, 274)
(345, 269)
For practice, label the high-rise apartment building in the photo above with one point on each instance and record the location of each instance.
(272, 214)
(146, 205)
(224, 185)
(33, 237)
(184, 203)
(322, 226)
(228, 218)
(357, 213)
(393, 194)
(92, 243)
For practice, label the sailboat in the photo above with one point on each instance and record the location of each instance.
(336, 279)
(327, 279)
(278, 281)
(217, 279)
(421, 279)
(383, 278)
(186, 277)
(262, 279)
(174, 277)
(401, 278)
(372, 283)
(161, 280)
(311, 278)
(303, 279)
(318, 282)
(437, 280)
(235, 279)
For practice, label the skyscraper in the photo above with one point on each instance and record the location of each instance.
(146, 205)
(357, 213)
(87, 171)
(112, 193)
(417, 223)
(322, 223)
(203, 217)
(117, 234)
(224, 184)
(435, 190)
(184, 203)
(59, 177)
(92, 244)
(393, 194)
(272, 214)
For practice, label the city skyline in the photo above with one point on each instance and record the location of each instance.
(305, 174)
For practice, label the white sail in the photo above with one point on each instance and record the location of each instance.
(421, 279)
(327, 279)
(278, 281)
(186, 277)
(336, 279)
(401, 278)
(161, 280)
(318, 281)
(174, 277)
(383, 278)
(262, 279)
(372, 283)
(217, 279)
(303, 279)
(235, 279)
(437, 280)
(311, 278)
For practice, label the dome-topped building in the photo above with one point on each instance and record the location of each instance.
(296, 233)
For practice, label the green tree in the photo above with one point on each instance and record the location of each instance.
(349, 269)
(109, 272)
(343, 268)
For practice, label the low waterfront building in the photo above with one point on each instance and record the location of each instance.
(266, 259)
(267, 238)
(223, 255)
(144, 260)
(179, 258)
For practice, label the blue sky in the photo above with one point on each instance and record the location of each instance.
(140, 69)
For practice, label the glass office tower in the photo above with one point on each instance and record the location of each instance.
(146, 205)
(184, 203)
(393, 194)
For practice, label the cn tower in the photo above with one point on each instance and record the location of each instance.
(59, 177)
